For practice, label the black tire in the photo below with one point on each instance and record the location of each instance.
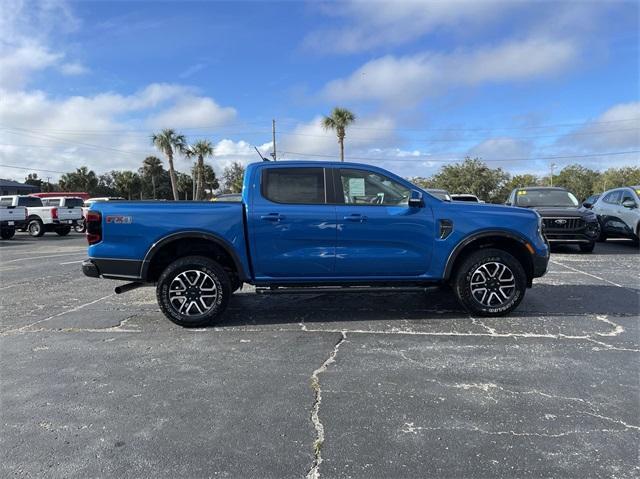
(79, 228)
(63, 230)
(218, 279)
(8, 233)
(469, 270)
(587, 248)
(602, 236)
(36, 228)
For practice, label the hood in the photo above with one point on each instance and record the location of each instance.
(567, 211)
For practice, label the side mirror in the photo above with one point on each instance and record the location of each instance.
(587, 205)
(507, 203)
(415, 199)
(629, 204)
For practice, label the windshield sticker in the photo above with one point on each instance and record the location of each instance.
(522, 193)
(356, 186)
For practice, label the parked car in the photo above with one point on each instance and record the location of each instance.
(440, 194)
(565, 221)
(466, 197)
(311, 224)
(41, 219)
(79, 227)
(11, 218)
(619, 214)
(590, 201)
(228, 197)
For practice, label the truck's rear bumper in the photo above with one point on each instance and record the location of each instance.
(112, 268)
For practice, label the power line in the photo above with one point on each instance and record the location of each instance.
(33, 169)
(416, 159)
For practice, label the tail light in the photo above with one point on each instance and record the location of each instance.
(94, 227)
(54, 213)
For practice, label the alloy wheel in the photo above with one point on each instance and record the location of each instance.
(193, 293)
(493, 284)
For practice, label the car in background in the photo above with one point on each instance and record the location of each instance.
(234, 197)
(440, 194)
(466, 197)
(42, 219)
(11, 218)
(589, 202)
(565, 221)
(619, 214)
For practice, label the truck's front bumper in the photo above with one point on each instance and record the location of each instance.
(540, 264)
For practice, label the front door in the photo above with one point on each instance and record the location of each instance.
(292, 227)
(379, 234)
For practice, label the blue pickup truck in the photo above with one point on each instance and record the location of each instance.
(316, 224)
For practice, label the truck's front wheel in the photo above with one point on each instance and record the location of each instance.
(193, 291)
(490, 282)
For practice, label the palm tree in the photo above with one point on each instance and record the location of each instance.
(170, 142)
(339, 120)
(152, 167)
(200, 149)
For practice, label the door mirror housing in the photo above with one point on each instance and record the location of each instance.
(587, 205)
(629, 204)
(415, 199)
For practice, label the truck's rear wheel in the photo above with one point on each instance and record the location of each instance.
(490, 282)
(193, 291)
(8, 232)
(63, 230)
(36, 228)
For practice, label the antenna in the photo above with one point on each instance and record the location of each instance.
(260, 154)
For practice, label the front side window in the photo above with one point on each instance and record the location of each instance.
(613, 198)
(627, 196)
(294, 185)
(361, 187)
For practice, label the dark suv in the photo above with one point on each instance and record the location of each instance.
(565, 220)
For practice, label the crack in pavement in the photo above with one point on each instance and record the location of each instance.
(314, 470)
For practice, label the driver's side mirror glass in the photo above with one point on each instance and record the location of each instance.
(586, 204)
(629, 204)
(415, 198)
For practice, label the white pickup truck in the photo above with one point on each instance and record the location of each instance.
(11, 217)
(41, 219)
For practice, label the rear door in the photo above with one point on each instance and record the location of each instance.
(608, 212)
(292, 224)
(379, 235)
(629, 216)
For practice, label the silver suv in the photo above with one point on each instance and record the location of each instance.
(618, 211)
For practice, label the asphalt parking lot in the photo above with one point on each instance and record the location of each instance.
(377, 385)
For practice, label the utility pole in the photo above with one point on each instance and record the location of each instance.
(553, 165)
(48, 184)
(273, 136)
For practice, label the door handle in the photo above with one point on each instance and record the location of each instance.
(356, 218)
(272, 217)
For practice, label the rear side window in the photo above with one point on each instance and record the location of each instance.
(612, 198)
(51, 202)
(6, 201)
(294, 185)
(29, 201)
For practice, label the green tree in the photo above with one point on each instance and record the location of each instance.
(152, 168)
(615, 177)
(339, 120)
(472, 176)
(185, 184)
(169, 142)
(579, 180)
(106, 186)
(127, 183)
(33, 180)
(209, 179)
(200, 150)
(83, 179)
(233, 176)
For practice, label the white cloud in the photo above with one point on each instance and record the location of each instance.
(18, 64)
(618, 128)
(501, 148)
(72, 69)
(408, 79)
(192, 112)
(388, 23)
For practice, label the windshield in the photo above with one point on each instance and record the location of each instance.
(532, 198)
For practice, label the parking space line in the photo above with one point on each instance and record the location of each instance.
(587, 274)
(42, 257)
(73, 262)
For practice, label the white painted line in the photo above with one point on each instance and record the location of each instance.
(587, 274)
(42, 257)
(73, 262)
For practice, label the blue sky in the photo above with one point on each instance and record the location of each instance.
(85, 83)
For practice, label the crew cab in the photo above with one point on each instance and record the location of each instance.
(324, 225)
(565, 220)
(11, 217)
(41, 219)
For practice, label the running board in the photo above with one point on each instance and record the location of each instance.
(340, 289)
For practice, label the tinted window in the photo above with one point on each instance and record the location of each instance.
(29, 201)
(50, 202)
(612, 198)
(294, 185)
(626, 196)
(6, 201)
(362, 187)
(73, 202)
(531, 198)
